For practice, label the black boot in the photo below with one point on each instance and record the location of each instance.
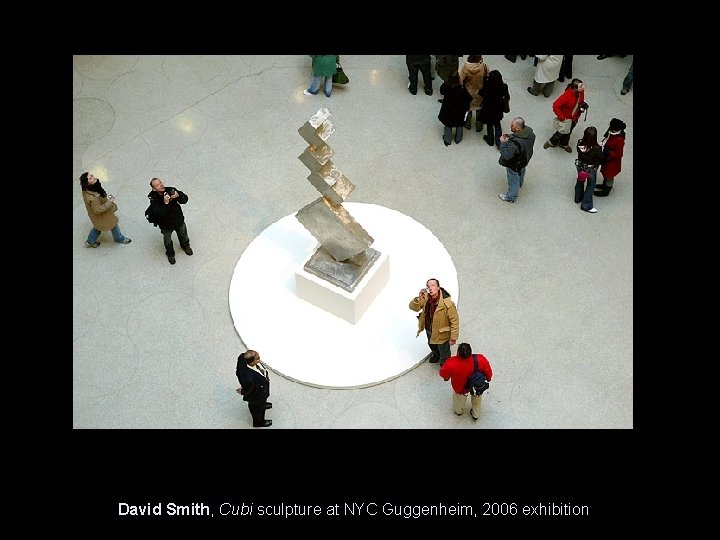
(605, 191)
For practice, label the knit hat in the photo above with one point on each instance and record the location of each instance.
(617, 125)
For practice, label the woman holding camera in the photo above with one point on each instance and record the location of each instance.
(567, 108)
(101, 210)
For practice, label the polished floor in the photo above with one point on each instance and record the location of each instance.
(546, 290)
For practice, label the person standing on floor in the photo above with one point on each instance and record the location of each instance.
(324, 66)
(457, 369)
(101, 210)
(254, 386)
(494, 91)
(439, 319)
(590, 155)
(455, 105)
(472, 77)
(613, 145)
(516, 151)
(165, 204)
(627, 81)
(566, 68)
(568, 106)
(447, 64)
(547, 70)
(421, 63)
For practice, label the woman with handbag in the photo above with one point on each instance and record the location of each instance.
(567, 108)
(324, 66)
(590, 156)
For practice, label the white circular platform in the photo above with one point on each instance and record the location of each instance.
(312, 346)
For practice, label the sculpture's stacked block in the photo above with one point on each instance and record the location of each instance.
(344, 255)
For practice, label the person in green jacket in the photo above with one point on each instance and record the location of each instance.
(324, 67)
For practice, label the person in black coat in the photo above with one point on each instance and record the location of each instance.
(492, 112)
(165, 205)
(254, 386)
(456, 105)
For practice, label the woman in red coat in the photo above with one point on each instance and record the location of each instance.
(613, 145)
(568, 106)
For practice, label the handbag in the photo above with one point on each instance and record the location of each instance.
(339, 77)
(583, 171)
(562, 126)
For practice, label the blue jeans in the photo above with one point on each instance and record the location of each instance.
(515, 182)
(584, 190)
(315, 85)
(182, 237)
(447, 134)
(627, 82)
(115, 231)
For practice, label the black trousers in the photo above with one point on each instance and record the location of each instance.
(413, 76)
(440, 351)
(257, 410)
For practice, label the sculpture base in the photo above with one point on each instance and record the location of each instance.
(348, 305)
(346, 275)
(333, 353)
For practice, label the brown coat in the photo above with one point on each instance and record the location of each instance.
(101, 211)
(446, 323)
(471, 77)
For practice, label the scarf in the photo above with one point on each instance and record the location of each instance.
(97, 188)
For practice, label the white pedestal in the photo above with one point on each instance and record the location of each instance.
(311, 345)
(333, 299)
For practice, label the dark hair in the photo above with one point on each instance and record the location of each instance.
(589, 137)
(474, 58)
(574, 84)
(84, 181)
(436, 280)
(151, 181)
(248, 356)
(464, 350)
(453, 79)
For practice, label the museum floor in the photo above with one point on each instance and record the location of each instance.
(546, 291)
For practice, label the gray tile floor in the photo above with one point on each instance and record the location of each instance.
(546, 290)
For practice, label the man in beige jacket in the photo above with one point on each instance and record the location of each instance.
(438, 317)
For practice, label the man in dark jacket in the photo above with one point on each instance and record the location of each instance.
(165, 203)
(254, 386)
(516, 150)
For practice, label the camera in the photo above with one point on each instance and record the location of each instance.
(170, 191)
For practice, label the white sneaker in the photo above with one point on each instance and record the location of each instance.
(307, 92)
(591, 211)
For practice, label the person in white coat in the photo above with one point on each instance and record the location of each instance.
(546, 73)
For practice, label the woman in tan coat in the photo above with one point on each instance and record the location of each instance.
(101, 209)
(472, 77)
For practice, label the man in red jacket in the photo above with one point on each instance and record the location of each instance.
(568, 107)
(458, 369)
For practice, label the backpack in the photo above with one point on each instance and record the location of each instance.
(477, 383)
(518, 161)
(150, 215)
